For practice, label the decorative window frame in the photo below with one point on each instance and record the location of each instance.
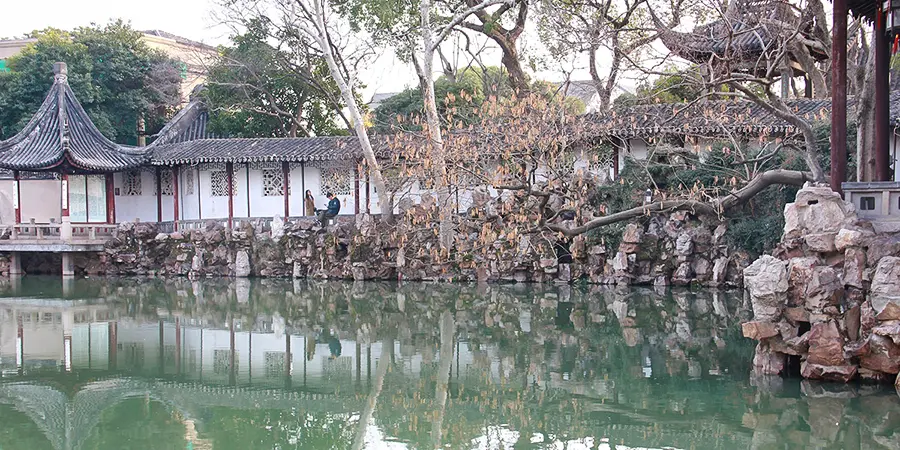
(273, 182)
(132, 183)
(218, 182)
(187, 176)
(167, 183)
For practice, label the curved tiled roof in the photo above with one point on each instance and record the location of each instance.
(61, 133)
(706, 119)
(257, 150)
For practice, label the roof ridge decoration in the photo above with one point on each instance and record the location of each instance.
(60, 136)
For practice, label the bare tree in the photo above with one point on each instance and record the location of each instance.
(312, 24)
(612, 33)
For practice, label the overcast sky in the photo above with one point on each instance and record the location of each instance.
(190, 19)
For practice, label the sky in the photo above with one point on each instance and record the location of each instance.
(191, 19)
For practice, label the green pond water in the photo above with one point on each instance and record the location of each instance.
(238, 364)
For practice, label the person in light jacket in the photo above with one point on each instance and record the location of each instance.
(309, 203)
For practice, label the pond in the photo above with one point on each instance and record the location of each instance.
(265, 364)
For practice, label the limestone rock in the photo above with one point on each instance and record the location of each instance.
(277, 227)
(766, 361)
(720, 271)
(842, 373)
(823, 289)
(854, 267)
(847, 238)
(759, 330)
(817, 209)
(767, 281)
(242, 264)
(826, 345)
(820, 242)
(684, 245)
(633, 234)
(885, 291)
(883, 355)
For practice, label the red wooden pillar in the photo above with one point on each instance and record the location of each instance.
(158, 194)
(64, 185)
(286, 173)
(882, 99)
(229, 179)
(175, 197)
(839, 95)
(17, 197)
(110, 199)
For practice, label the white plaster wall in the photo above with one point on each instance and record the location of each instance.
(637, 148)
(261, 205)
(895, 153)
(41, 200)
(188, 205)
(132, 207)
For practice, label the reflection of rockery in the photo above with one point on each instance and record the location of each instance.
(827, 305)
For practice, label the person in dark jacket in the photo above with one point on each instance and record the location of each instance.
(334, 207)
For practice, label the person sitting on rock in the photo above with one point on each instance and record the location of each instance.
(334, 207)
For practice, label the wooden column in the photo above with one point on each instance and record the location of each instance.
(303, 185)
(286, 173)
(17, 197)
(197, 187)
(247, 187)
(232, 356)
(177, 346)
(368, 191)
(356, 190)
(158, 194)
(175, 197)
(839, 95)
(110, 198)
(113, 336)
(229, 179)
(882, 100)
(64, 188)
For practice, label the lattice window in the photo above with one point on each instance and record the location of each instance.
(275, 362)
(273, 183)
(219, 184)
(222, 361)
(336, 180)
(188, 177)
(167, 182)
(131, 183)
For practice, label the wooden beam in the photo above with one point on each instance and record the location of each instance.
(882, 100)
(229, 180)
(839, 95)
(286, 175)
(175, 203)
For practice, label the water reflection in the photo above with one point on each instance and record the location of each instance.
(272, 364)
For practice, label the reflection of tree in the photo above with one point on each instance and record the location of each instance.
(296, 429)
(384, 361)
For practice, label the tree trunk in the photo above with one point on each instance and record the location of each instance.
(865, 120)
(433, 125)
(359, 126)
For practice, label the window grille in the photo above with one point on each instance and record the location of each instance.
(273, 183)
(131, 183)
(188, 177)
(219, 184)
(275, 363)
(867, 203)
(338, 181)
(167, 183)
